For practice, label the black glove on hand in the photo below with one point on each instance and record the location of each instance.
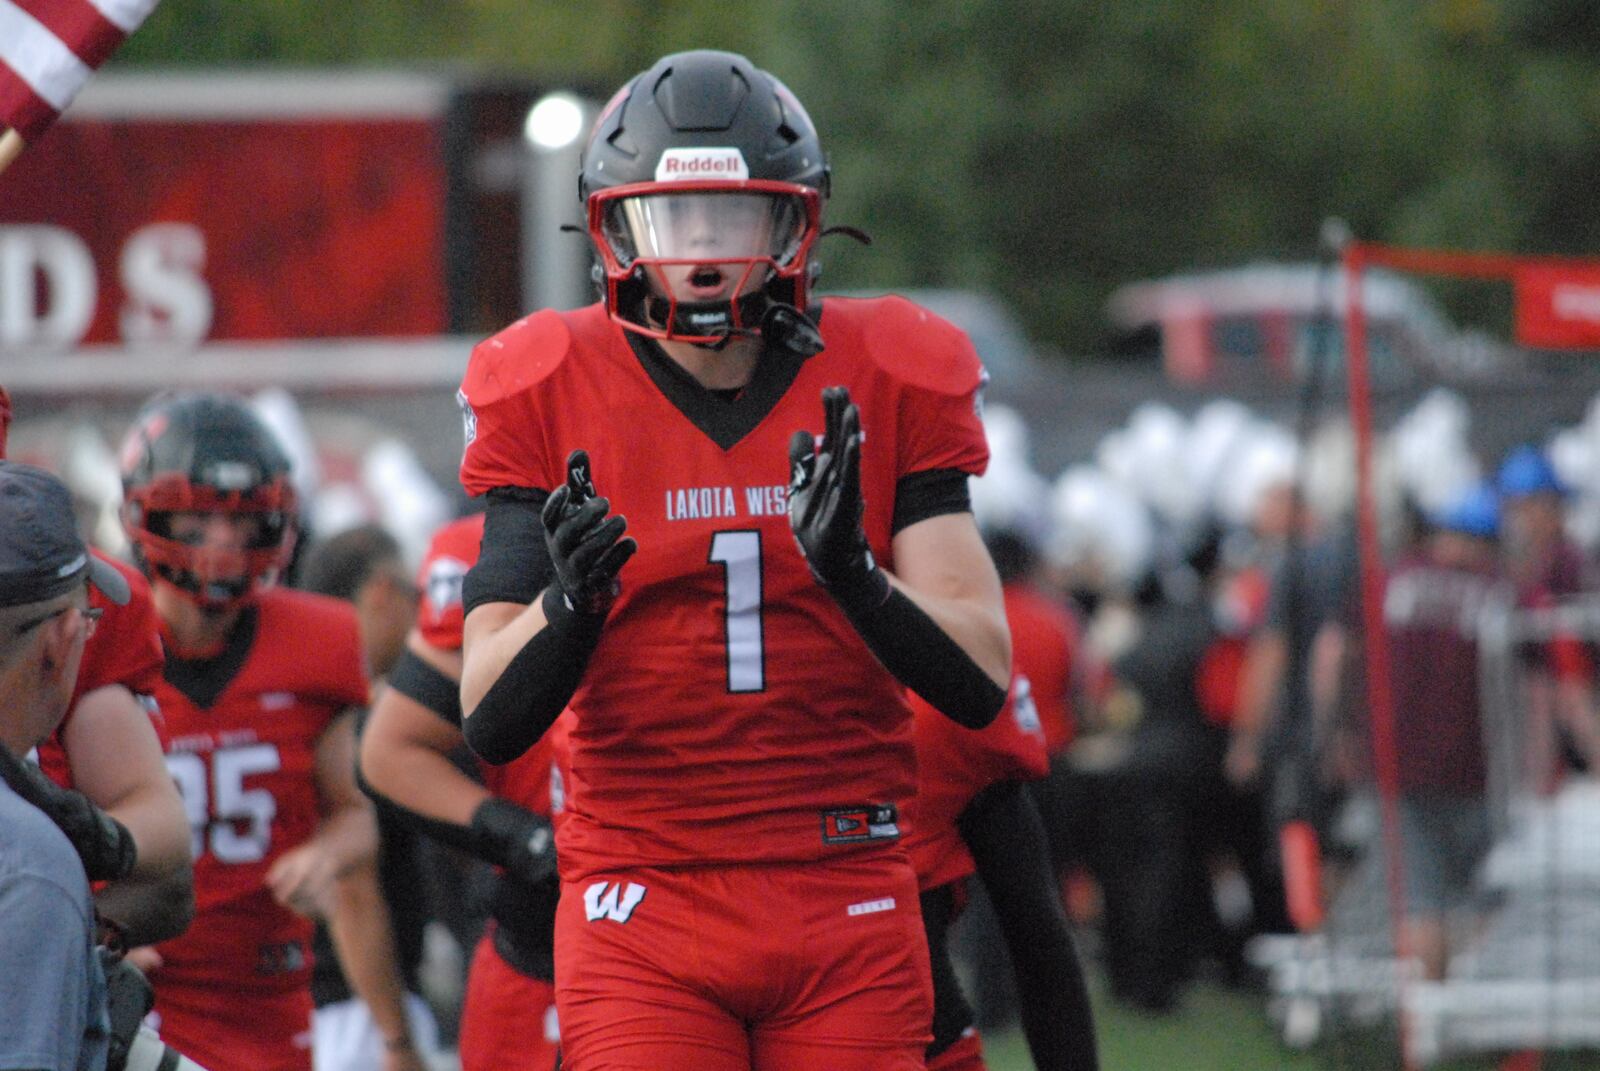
(515, 838)
(586, 546)
(825, 505)
(103, 844)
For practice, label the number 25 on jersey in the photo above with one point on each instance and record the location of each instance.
(235, 822)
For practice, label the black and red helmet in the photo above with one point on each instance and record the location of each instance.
(206, 453)
(704, 162)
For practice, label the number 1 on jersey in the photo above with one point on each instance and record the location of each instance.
(739, 554)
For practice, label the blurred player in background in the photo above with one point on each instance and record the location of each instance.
(973, 814)
(256, 692)
(1433, 604)
(734, 894)
(362, 566)
(508, 1019)
(109, 748)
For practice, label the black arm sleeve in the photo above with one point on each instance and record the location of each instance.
(908, 642)
(530, 693)
(1003, 831)
(924, 658)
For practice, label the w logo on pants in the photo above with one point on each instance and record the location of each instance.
(603, 900)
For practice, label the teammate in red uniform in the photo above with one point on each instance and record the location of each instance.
(108, 748)
(508, 1014)
(254, 692)
(973, 815)
(733, 891)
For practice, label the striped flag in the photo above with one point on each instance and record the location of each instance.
(49, 49)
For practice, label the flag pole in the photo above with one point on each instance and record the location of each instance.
(10, 148)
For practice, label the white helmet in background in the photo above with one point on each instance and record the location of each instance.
(1218, 430)
(1158, 438)
(1102, 531)
(1262, 464)
(1434, 462)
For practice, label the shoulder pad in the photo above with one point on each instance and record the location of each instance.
(916, 346)
(332, 665)
(517, 357)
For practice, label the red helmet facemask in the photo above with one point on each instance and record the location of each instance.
(702, 261)
(213, 577)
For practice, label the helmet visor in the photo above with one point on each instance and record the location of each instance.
(706, 226)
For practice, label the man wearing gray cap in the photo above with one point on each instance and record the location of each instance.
(51, 984)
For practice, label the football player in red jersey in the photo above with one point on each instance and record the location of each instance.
(733, 891)
(973, 815)
(255, 691)
(508, 1014)
(109, 748)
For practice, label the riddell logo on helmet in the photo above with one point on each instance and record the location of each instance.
(701, 164)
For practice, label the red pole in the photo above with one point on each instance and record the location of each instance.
(1380, 698)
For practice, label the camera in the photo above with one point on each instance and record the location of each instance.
(129, 998)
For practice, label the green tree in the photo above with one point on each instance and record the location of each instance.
(1051, 151)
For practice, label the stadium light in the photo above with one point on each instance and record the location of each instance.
(554, 122)
(555, 266)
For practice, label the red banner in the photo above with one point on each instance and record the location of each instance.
(183, 232)
(1558, 304)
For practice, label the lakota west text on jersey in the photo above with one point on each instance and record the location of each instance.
(701, 503)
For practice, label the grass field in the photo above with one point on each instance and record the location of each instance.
(1215, 1030)
(1220, 1030)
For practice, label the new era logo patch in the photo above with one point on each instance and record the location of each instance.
(852, 825)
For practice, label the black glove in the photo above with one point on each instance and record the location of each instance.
(825, 505)
(515, 838)
(103, 844)
(586, 546)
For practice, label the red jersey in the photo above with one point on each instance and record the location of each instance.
(245, 765)
(1044, 647)
(954, 764)
(125, 649)
(729, 703)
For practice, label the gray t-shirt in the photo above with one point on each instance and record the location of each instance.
(52, 991)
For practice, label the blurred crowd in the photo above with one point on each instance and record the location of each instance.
(1218, 707)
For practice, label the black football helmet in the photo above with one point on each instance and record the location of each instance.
(206, 453)
(705, 176)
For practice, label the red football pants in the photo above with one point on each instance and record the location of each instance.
(745, 968)
(507, 1018)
